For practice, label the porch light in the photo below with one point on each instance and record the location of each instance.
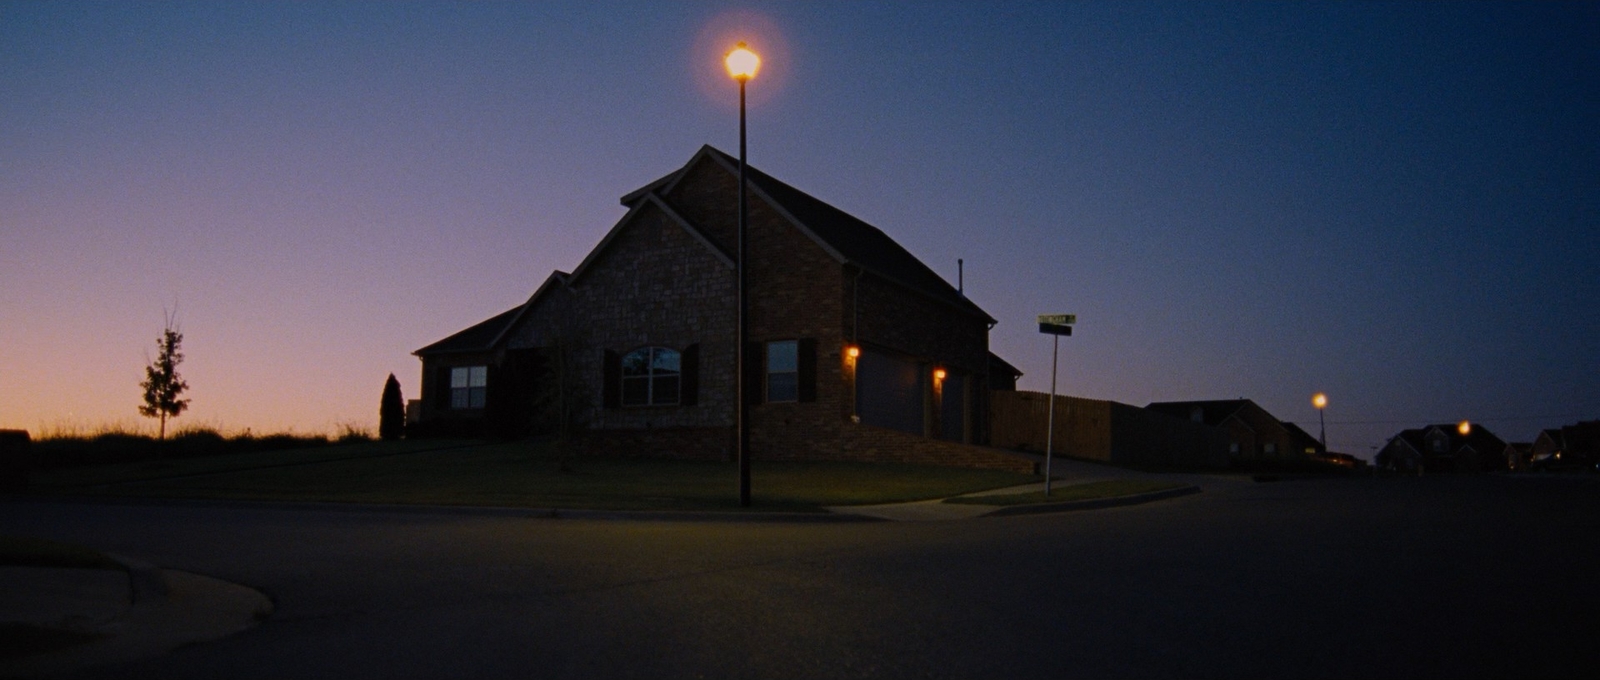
(938, 374)
(852, 351)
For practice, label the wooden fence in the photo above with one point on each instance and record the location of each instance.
(1093, 429)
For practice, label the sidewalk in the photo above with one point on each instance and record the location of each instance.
(1067, 472)
(125, 614)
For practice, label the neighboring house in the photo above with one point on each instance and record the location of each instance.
(858, 351)
(1518, 455)
(1254, 435)
(1444, 448)
(1571, 446)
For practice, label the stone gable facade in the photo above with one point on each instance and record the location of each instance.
(664, 278)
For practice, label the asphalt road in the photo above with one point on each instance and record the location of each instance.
(1430, 577)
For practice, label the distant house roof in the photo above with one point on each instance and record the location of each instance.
(1411, 438)
(1582, 437)
(1480, 439)
(1304, 438)
(1212, 412)
(848, 238)
(1001, 366)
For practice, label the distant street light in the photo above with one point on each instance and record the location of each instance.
(1320, 401)
(1465, 428)
(742, 65)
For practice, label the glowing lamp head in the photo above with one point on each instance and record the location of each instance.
(1465, 428)
(852, 352)
(1319, 400)
(742, 63)
(938, 374)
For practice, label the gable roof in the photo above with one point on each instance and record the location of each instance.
(847, 238)
(477, 338)
(1001, 366)
(1478, 439)
(1303, 439)
(1212, 412)
(650, 198)
(487, 334)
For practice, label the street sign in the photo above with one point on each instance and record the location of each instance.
(1053, 329)
(1058, 319)
(1057, 324)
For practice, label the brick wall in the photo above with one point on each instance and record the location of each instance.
(654, 285)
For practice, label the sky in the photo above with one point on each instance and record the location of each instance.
(1395, 204)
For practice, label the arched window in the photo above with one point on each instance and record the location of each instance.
(651, 376)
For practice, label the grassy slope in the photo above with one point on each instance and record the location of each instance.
(526, 475)
(34, 552)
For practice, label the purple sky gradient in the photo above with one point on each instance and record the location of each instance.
(1396, 204)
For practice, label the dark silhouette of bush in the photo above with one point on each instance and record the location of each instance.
(391, 411)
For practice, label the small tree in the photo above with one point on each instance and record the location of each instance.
(162, 384)
(391, 411)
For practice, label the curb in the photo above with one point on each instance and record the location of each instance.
(1093, 503)
(147, 582)
(483, 510)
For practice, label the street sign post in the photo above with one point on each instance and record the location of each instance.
(1054, 325)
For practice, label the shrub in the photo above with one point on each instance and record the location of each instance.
(391, 411)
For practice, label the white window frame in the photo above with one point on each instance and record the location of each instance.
(469, 387)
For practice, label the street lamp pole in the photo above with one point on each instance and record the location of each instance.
(742, 65)
(1320, 401)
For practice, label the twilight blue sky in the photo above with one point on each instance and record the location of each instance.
(1396, 204)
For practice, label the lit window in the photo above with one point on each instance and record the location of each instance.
(651, 376)
(468, 386)
(783, 371)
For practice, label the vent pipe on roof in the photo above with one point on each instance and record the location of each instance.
(960, 277)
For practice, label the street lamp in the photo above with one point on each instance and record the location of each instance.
(742, 65)
(1320, 401)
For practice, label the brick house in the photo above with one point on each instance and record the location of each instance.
(1570, 446)
(1444, 448)
(858, 350)
(1254, 435)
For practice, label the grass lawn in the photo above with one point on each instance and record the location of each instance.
(1076, 492)
(524, 474)
(18, 640)
(35, 552)
(123, 473)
